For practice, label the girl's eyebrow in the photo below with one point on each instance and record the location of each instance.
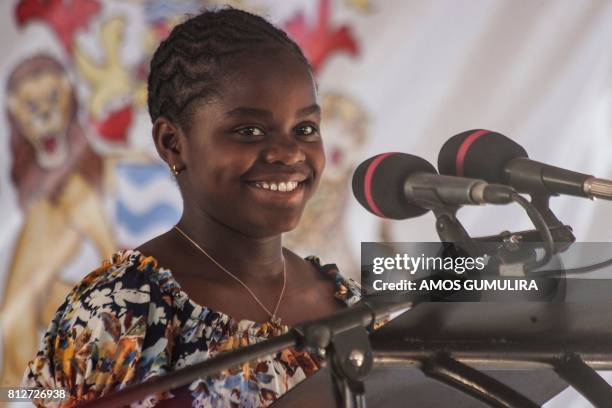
(246, 111)
(309, 110)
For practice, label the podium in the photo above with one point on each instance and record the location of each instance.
(533, 349)
(524, 346)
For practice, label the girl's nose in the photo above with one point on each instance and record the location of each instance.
(285, 150)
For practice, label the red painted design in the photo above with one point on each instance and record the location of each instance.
(162, 29)
(321, 41)
(64, 17)
(114, 127)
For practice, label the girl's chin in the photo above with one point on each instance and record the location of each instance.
(262, 228)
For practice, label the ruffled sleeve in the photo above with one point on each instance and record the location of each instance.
(112, 330)
(346, 290)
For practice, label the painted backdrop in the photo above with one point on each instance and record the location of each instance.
(79, 176)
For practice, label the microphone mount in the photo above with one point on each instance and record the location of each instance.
(448, 227)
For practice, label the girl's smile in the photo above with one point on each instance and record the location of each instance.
(279, 185)
(281, 194)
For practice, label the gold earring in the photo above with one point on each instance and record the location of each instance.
(174, 170)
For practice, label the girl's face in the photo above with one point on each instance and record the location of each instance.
(260, 136)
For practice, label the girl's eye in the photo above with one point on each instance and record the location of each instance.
(307, 130)
(250, 131)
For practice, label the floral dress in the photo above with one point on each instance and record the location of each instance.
(129, 321)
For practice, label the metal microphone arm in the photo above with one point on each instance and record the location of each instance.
(565, 236)
(449, 228)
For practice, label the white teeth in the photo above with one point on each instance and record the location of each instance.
(284, 187)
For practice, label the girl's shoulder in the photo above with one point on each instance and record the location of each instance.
(112, 330)
(125, 268)
(125, 283)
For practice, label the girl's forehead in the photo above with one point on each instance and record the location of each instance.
(265, 64)
(265, 78)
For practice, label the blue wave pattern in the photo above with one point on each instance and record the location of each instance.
(160, 212)
(139, 223)
(142, 174)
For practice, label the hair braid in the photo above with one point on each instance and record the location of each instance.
(188, 64)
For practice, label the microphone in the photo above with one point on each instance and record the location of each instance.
(400, 186)
(497, 159)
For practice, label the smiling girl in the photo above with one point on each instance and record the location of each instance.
(236, 117)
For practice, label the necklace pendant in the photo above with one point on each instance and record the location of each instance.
(275, 320)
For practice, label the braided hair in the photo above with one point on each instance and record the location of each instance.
(189, 64)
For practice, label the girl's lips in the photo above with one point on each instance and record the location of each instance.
(295, 195)
(299, 174)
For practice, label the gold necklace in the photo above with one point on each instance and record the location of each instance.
(273, 318)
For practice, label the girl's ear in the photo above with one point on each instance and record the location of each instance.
(169, 141)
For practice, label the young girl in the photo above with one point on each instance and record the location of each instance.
(235, 116)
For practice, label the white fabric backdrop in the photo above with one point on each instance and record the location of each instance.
(537, 71)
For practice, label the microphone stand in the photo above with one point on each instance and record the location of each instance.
(562, 234)
(525, 236)
(447, 225)
(341, 337)
(450, 229)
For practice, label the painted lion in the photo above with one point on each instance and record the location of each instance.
(57, 176)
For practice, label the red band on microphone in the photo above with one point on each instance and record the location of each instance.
(464, 148)
(367, 187)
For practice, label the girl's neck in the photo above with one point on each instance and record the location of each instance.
(244, 256)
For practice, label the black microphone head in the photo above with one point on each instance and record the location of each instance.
(378, 184)
(478, 153)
